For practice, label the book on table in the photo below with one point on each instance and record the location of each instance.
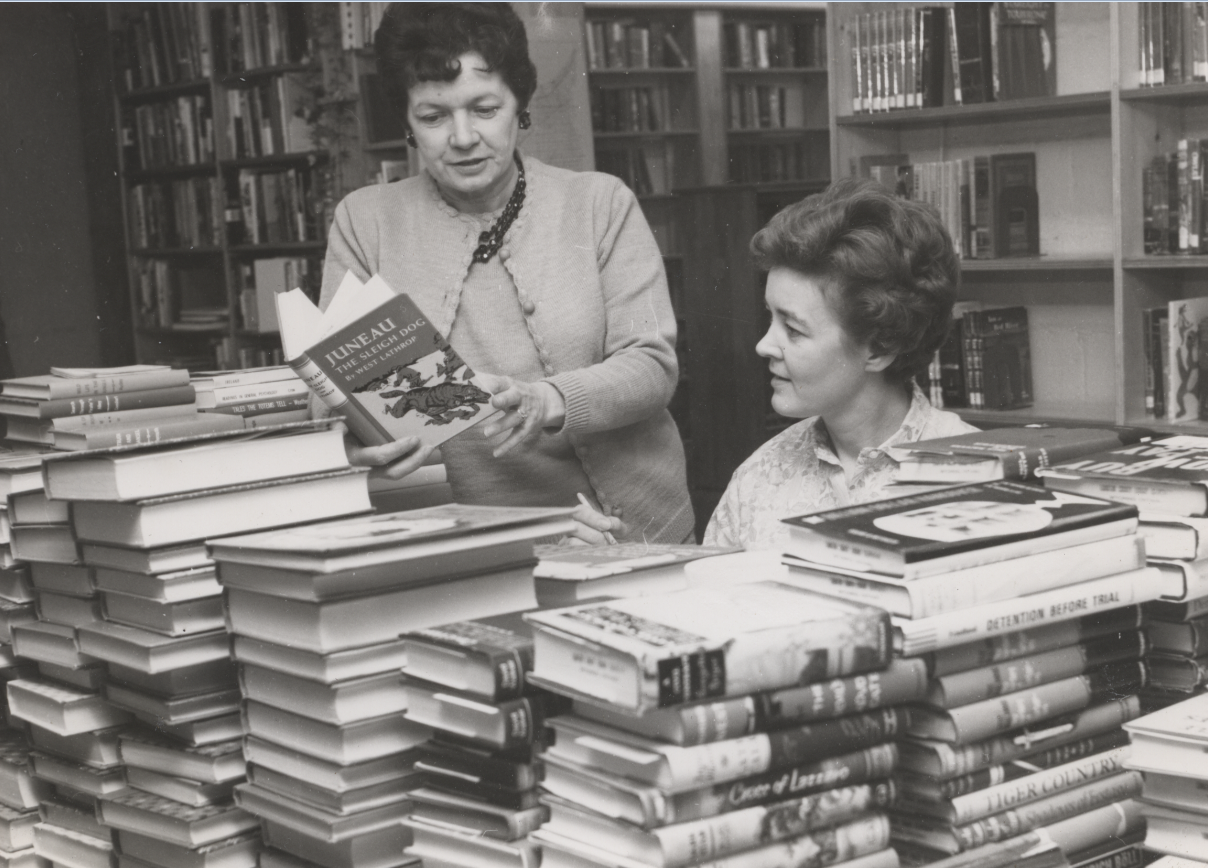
(62, 710)
(502, 725)
(475, 815)
(374, 357)
(1168, 475)
(83, 382)
(477, 657)
(1177, 537)
(1004, 453)
(439, 844)
(952, 528)
(668, 649)
(111, 402)
(144, 432)
(387, 656)
(1172, 740)
(215, 763)
(343, 743)
(188, 826)
(343, 702)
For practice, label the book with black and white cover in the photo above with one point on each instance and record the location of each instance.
(954, 528)
(668, 649)
(485, 659)
(501, 725)
(1168, 475)
(445, 758)
(345, 744)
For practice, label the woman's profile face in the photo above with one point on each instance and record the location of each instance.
(817, 367)
(466, 132)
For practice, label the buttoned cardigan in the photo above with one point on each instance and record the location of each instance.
(591, 284)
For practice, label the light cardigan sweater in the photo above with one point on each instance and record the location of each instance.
(591, 284)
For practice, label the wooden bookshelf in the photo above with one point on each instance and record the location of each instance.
(191, 102)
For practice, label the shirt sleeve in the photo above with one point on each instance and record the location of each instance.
(724, 525)
(639, 371)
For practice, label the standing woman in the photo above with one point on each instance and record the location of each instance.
(860, 287)
(548, 283)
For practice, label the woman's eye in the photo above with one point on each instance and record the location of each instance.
(429, 118)
(487, 111)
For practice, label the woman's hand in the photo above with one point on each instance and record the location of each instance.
(390, 460)
(527, 408)
(592, 527)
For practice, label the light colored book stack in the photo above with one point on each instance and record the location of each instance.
(145, 739)
(1024, 606)
(1169, 747)
(258, 396)
(316, 614)
(90, 408)
(723, 725)
(468, 682)
(1167, 481)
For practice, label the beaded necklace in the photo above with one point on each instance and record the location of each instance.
(490, 240)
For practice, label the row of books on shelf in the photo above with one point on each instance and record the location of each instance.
(279, 207)
(158, 44)
(1173, 42)
(775, 44)
(233, 355)
(646, 169)
(273, 117)
(1173, 199)
(989, 205)
(1175, 340)
(174, 297)
(986, 361)
(185, 212)
(176, 132)
(764, 106)
(629, 109)
(249, 36)
(629, 44)
(926, 56)
(801, 159)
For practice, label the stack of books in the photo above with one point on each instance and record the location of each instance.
(90, 408)
(468, 681)
(723, 726)
(316, 614)
(1169, 747)
(1023, 604)
(256, 396)
(1166, 480)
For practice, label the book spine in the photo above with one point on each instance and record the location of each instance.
(359, 422)
(101, 437)
(115, 401)
(1038, 785)
(930, 634)
(1052, 809)
(726, 760)
(80, 387)
(694, 842)
(981, 720)
(855, 768)
(964, 688)
(1132, 856)
(259, 408)
(509, 666)
(1022, 643)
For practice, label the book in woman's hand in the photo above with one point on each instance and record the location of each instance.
(375, 358)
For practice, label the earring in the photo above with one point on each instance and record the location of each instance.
(410, 139)
(525, 120)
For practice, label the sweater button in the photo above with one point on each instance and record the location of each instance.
(528, 307)
(505, 254)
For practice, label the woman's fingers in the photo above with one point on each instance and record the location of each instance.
(408, 465)
(390, 460)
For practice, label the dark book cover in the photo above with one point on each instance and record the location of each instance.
(1025, 49)
(964, 518)
(1180, 459)
(507, 654)
(972, 37)
(1016, 204)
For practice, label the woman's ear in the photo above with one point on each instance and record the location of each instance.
(876, 363)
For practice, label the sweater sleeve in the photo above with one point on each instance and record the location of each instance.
(351, 245)
(639, 371)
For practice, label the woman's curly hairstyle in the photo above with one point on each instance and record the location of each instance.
(886, 266)
(422, 42)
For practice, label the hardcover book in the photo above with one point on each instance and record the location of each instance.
(566, 576)
(374, 357)
(84, 382)
(346, 744)
(1024, 49)
(1169, 475)
(954, 527)
(471, 656)
(188, 826)
(503, 725)
(668, 649)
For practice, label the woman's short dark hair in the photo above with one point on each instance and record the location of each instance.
(422, 42)
(886, 265)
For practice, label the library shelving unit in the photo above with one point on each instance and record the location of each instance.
(1086, 290)
(225, 182)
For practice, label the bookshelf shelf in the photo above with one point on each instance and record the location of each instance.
(273, 160)
(284, 248)
(180, 88)
(1174, 93)
(1098, 102)
(1054, 414)
(1188, 262)
(764, 72)
(643, 134)
(159, 252)
(138, 176)
(206, 332)
(1038, 264)
(247, 76)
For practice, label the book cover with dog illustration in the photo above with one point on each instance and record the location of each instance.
(386, 368)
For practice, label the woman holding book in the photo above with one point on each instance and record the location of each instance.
(547, 282)
(860, 289)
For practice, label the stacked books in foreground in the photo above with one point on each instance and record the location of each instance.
(1170, 747)
(468, 681)
(733, 725)
(1023, 605)
(316, 614)
(257, 397)
(1167, 480)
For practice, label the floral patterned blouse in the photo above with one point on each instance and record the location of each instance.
(797, 471)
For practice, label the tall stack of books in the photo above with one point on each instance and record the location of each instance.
(468, 681)
(725, 725)
(1166, 481)
(20, 792)
(316, 614)
(134, 631)
(90, 408)
(1023, 604)
(255, 396)
(1169, 747)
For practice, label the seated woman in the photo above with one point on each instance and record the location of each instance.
(860, 288)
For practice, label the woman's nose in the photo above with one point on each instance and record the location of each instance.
(464, 135)
(766, 348)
